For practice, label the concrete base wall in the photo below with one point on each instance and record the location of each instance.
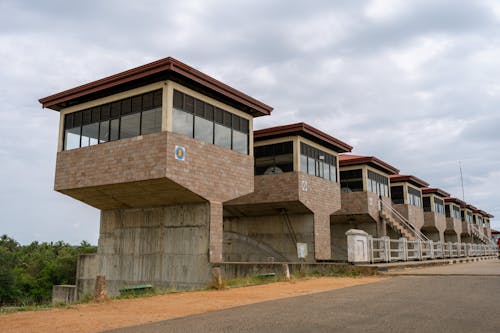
(266, 238)
(167, 247)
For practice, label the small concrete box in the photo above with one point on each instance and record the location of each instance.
(357, 246)
(63, 294)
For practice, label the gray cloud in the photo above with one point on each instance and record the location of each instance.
(412, 82)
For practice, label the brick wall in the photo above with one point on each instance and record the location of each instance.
(412, 213)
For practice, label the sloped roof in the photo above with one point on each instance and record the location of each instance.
(167, 68)
(349, 159)
(433, 190)
(409, 179)
(304, 130)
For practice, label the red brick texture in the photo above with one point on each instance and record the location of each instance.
(143, 172)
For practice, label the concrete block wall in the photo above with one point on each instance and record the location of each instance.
(434, 226)
(415, 215)
(167, 247)
(271, 233)
(318, 196)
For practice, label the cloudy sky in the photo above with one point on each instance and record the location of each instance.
(415, 83)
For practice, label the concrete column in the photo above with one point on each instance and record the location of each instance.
(322, 245)
(216, 232)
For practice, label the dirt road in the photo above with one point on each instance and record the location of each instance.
(93, 317)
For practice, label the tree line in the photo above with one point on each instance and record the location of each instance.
(28, 272)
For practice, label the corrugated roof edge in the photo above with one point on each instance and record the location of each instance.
(165, 64)
(298, 128)
(345, 160)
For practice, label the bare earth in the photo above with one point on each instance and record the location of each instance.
(96, 317)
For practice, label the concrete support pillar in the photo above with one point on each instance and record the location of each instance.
(322, 245)
(216, 232)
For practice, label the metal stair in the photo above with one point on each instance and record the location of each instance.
(399, 223)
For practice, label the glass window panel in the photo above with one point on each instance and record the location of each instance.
(77, 119)
(151, 121)
(129, 126)
(244, 125)
(147, 101)
(311, 166)
(240, 142)
(182, 123)
(157, 97)
(303, 163)
(86, 117)
(203, 130)
(136, 104)
(126, 106)
(219, 115)
(72, 138)
(209, 111)
(326, 170)
(115, 125)
(222, 136)
(90, 134)
(68, 121)
(199, 108)
(96, 114)
(115, 109)
(333, 173)
(188, 103)
(105, 112)
(178, 100)
(104, 131)
(226, 118)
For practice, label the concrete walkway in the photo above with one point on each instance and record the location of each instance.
(413, 303)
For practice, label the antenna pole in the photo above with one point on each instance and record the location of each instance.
(461, 180)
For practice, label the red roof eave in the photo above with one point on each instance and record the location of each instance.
(162, 65)
(429, 190)
(297, 128)
(346, 160)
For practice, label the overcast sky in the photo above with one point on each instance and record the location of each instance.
(415, 83)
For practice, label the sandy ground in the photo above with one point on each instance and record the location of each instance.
(96, 317)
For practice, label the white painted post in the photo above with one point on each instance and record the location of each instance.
(387, 248)
(419, 249)
(403, 249)
(430, 245)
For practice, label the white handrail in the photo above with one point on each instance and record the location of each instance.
(406, 223)
(482, 236)
(386, 249)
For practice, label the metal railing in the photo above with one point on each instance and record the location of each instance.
(480, 234)
(417, 233)
(385, 249)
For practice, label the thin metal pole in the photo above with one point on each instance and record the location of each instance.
(462, 180)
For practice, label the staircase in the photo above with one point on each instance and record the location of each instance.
(479, 234)
(399, 223)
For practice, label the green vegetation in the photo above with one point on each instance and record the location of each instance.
(28, 272)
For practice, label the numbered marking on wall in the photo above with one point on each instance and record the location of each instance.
(180, 153)
(304, 185)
